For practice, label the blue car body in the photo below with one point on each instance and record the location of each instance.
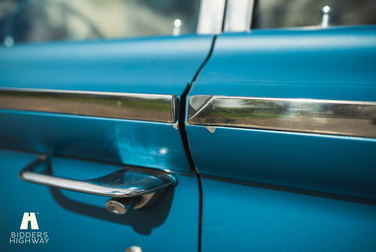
(238, 188)
(266, 190)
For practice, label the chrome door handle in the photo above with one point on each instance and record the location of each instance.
(130, 187)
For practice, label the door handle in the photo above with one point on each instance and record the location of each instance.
(129, 187)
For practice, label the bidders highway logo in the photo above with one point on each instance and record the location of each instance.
(29, 237)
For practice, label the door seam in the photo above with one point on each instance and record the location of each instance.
(184, 137)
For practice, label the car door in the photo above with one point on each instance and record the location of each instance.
(74, 112)
(281, 127)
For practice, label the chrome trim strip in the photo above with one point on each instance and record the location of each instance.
(145, 107)
(238, 15)
(211, 16)
(335, 117)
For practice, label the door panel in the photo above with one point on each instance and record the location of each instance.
(270, 189)
(244, 216)
(83, 146)
(144, 66)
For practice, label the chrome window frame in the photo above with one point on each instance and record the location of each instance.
(238, 15)
(211, 16)
(218, 16)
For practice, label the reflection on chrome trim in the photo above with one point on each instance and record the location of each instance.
(238, 15)
(211, 16)
(146, 107)
(350, 118)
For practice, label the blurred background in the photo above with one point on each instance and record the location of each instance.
(45, 20)
(51, 20)
(292, 13)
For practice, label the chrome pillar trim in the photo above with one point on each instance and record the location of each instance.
(335, 117)
(146, 107)
(238, 15)
(211, 16)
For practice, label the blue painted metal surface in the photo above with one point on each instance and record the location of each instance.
(155, 65)
(336, 63)
(331, 164)
(334, 56)
(80, 222)
(147, 144)
(163, 65)
(239, 217)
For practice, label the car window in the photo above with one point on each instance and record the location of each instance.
(324, 13)
(46, 20)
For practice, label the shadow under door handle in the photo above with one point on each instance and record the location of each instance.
(130, 187)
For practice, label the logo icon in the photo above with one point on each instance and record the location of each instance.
(29, 217)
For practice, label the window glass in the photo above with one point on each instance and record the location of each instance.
(291, 13)
(45, 20)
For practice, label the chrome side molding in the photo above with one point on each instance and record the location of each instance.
(146, 107)
(335, 117)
